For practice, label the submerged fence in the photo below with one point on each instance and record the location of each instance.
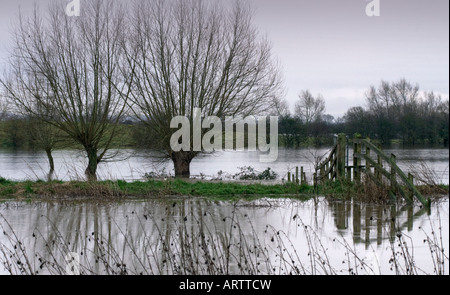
(373, 162)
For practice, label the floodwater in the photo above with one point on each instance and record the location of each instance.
(197, 236)
(194, 235)
(132, 165)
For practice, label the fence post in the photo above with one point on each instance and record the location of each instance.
(296, 175)
(301, 175)
(393, 179)
(380, 164)
(289, 176)
(341, 144)
(356, 161)
(411, 180)
(368, 156)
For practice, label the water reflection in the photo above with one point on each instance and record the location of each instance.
(196, 236)
(374, 223)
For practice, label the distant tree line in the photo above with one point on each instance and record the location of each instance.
(308, 125)
(393, 111)
(399, 110)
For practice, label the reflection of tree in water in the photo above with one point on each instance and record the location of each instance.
(372, 222)
(113, 237)
(197, 236)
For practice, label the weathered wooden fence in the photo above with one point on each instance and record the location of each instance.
(299, 178)
(381, 168)
(333, 166)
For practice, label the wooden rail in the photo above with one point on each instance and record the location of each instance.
(334, 168)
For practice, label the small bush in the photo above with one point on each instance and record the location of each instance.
(249, 173)
(268, 174)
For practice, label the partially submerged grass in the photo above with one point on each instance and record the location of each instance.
(365, 191)
(368, 191)
(182, 240)
(151, 188)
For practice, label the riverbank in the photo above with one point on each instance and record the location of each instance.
(147, 189)
(116, 190)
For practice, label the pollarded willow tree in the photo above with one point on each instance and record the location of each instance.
(69, 72)
(194, 54)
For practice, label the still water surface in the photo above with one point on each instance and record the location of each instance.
(267, 236)
(70, 165)
(151, 236)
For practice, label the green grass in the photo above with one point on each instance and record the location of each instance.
(152, 188)
(182, 188)
(225, 190)
(222, 189)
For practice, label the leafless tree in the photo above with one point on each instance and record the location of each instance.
(68, 72)
(47, 138)
(309, 108)
(392, 98)
(194, 54)
(4, 107)
(280, 107)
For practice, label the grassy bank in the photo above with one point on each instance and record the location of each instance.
(152, 188)
(29, 190)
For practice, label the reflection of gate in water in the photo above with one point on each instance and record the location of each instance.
(375, 223)
(334, 168)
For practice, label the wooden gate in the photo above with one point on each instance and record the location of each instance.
(373, 162)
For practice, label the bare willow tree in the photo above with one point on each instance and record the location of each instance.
(67, 71)
(195, 54)
(4, 107)
(44, 136)
(47, 138)
(309, 108)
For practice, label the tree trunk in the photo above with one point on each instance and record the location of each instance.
(181, 162)
(51, 163)
(91, 170)
(50, 160)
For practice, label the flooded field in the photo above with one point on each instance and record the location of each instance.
(198, 236)
(134, 164)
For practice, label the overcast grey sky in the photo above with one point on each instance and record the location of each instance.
(332, 47)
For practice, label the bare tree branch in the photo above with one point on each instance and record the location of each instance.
(309, 108)
(193, 54)
(68, 72)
